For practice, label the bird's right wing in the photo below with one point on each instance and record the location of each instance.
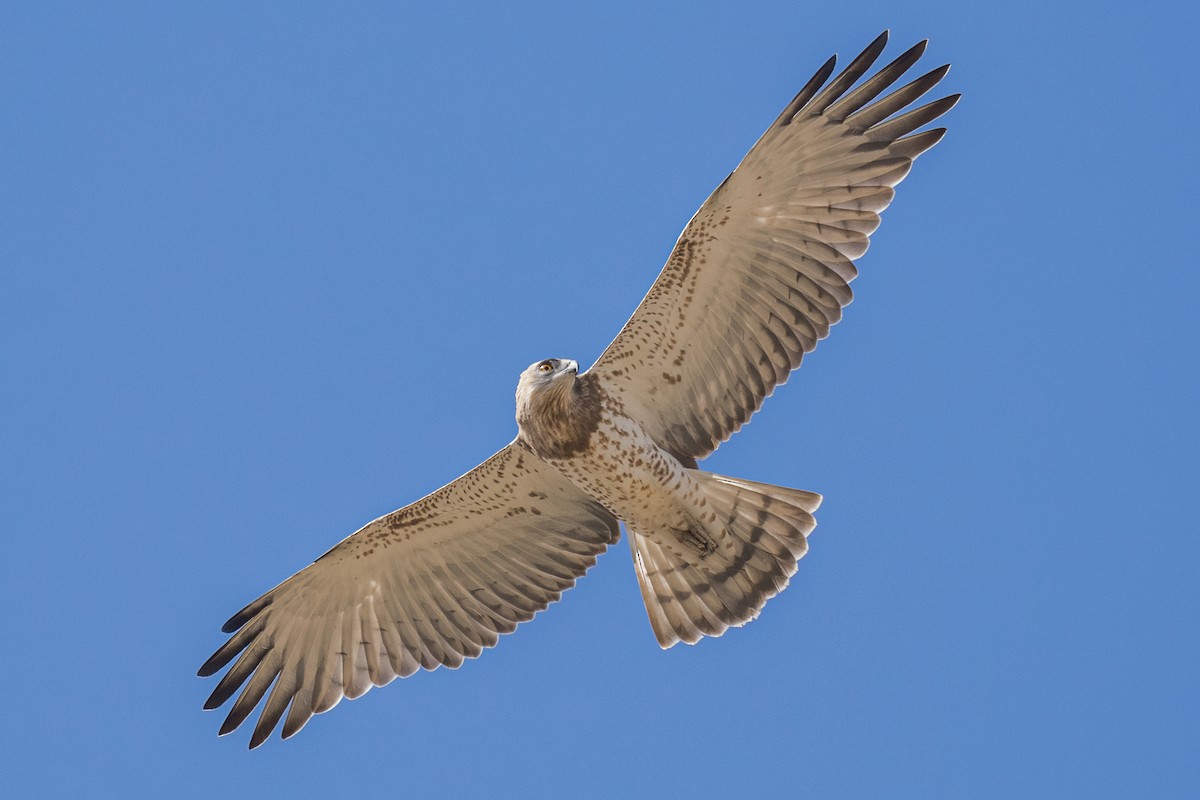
(431, 584)
(763, 270)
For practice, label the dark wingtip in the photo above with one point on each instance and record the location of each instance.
(246, 614)
(210, 667)
(912, 54)
(871, 52)
(808, 92)
(928, 139)
(236, 621)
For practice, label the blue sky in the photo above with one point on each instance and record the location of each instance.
(269, 272)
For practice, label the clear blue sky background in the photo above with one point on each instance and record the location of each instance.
(269, 271)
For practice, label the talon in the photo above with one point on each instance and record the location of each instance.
(695, 540)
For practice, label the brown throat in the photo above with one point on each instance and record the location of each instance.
(558, 419)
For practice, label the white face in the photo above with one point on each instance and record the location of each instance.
(552, 377)
(551, 368)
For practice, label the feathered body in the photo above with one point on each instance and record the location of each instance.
(583, 432)
(709, 550)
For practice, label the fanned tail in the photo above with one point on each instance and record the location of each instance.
(694, 587)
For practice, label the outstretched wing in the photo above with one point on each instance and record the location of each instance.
(433, 583)
(763, 270)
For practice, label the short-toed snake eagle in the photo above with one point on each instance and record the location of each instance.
(754, 282)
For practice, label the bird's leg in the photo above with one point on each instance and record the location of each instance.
(696, 539)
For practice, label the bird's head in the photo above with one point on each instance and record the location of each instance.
(556, 373)
(547, 382)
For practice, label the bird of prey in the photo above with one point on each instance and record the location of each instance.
(755, 280)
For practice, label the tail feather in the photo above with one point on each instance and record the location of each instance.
(760, 533)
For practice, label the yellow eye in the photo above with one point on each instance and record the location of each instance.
(545, 366)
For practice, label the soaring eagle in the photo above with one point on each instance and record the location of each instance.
(757, 277)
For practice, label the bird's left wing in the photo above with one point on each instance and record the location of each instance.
(763, 269)
(433, 583)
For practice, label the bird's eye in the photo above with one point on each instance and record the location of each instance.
(545, 367)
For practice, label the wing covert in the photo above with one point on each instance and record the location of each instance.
(763, 269)
(432, 584)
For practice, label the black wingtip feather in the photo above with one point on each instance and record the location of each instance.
(236, 644)
(237, 675)
(246, 614)
(214, 663)
(915, 144)
(294, 722)
(906, 123)
(249, 698)
(808, 92)
(853, 71)
(268, 719)
(880, 81)
(883, 108)
(876, 46)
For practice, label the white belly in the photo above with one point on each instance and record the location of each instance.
(632, 477)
